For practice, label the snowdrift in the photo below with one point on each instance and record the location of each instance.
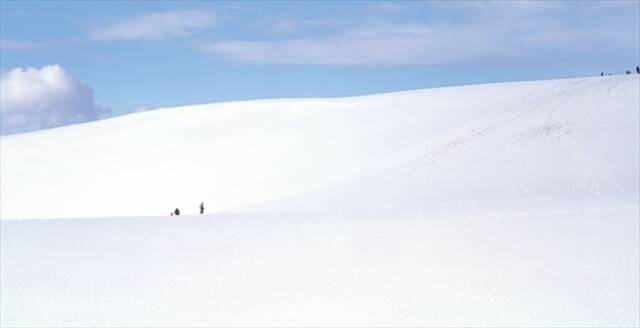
(402, 150)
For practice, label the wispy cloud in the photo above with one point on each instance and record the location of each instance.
(8, 44)
(139, 109)
(154, 26)
(292, 24)
(468, 32)
(387, 6)
(386, 46)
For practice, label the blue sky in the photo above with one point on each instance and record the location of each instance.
(146, 54)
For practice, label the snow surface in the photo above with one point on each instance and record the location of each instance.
(526, 139)
(512, 204)
(559, 263)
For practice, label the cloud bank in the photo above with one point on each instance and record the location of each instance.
(153, 26)
(32, 99)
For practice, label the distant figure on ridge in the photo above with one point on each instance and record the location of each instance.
(202, 208)
(176, 212)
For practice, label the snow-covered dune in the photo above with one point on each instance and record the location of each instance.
(405, 149)
(512, 204)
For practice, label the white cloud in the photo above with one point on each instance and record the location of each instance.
(154, 26)
(33, 98)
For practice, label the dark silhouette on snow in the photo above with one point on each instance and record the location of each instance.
(177, 211)
(638, 69)
(627, 72)
(202, 208)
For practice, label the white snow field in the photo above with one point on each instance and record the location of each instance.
(511, 204)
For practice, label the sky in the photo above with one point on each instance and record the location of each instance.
(68, 62)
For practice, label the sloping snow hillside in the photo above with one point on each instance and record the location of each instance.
(506, 205)
(396, 150)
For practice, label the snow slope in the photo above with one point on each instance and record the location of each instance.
(396, 150)
(511, 204)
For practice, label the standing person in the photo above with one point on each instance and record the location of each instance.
(176, 212)
(201, 207)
